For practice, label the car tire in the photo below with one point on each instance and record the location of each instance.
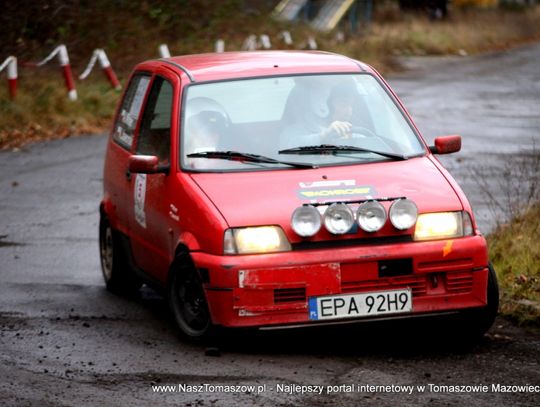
(117, 273)
(187, 300)
(476, 322)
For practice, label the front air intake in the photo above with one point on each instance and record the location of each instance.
(286, 295)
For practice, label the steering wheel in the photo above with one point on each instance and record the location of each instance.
(356, 135)
(360, 131)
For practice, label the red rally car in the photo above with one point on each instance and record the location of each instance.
(283, 189)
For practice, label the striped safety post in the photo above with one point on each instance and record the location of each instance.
(312, 43)
(265, 41)
(100, 55)
(164, 51)
(250, 43)
(286, 37)
(219, 46)
(11, 64)
(63, 59)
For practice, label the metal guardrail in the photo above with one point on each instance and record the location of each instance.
(288, 9)
(330, 14)
(327, 18)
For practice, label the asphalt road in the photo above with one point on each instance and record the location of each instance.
(493, 102)
(65, 341)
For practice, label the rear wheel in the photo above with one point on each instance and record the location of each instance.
(118, 275)
(187, 299)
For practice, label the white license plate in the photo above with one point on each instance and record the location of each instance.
(360, 305)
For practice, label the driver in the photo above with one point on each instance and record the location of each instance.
(340, 106)
(205, 129)
(206, 124)
(337, 123)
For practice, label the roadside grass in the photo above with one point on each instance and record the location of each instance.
(463, 33)
(515, 253)
(514, 247)
(42, 110)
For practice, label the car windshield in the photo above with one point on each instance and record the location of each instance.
(275, 117)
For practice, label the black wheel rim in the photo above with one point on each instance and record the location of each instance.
(191, 307)
(107, 252)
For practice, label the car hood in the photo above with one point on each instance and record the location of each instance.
(270, 197)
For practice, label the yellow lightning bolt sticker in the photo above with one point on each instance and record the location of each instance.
(447, 249)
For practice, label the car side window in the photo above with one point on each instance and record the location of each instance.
(155, 130)
(126, 122)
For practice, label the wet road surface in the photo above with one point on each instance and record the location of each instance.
(64, 340)
(493, 102)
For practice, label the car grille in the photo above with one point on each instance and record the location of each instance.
(338, 243)
(286, 295)
(458, 283)
(418, 285)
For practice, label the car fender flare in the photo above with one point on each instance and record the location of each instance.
(107, 208)
(186, 240)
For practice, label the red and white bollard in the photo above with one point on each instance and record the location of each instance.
(250, 43)
(286, 37)
(11, 64)
(99, 55)
(265, 41)
(164, 51)
(63, 58)
(312, 43)
(107, 69)
(68, 75)
(219, 46)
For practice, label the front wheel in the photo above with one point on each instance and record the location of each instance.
(476, 322)
(187, 299)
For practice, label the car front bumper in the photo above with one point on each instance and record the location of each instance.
(274, 289)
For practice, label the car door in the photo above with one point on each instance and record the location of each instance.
(152, 223)
(117, 182)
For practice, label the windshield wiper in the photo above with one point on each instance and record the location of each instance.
(333, 149)
(246, 157)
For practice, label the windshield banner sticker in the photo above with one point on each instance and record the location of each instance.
(140, 193)
(334, 190)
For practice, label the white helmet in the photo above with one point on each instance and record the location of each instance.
(203, 113)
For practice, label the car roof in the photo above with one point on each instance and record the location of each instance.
(231, 65)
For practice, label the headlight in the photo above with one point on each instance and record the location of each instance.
(442, 225)
(338, 218)
(403, 213)
(306, 220)
(371, 216)
(260, 239)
